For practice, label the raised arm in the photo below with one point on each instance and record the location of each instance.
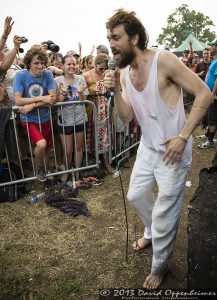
(10, 56)
(7, 29)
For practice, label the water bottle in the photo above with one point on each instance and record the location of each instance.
(35, 198)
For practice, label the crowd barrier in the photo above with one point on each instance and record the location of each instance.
(122, 138)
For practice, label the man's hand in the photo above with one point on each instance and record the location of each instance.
(49, 99)
(44, 47)
(7, 27)
(112, 79)
(175, 148)
(17, 41)
(26, 108)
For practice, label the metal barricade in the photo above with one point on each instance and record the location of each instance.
(122, 137)
(28, 171)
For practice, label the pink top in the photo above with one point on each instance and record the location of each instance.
(156, 119)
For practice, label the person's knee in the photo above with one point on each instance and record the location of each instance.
(80, 148)
(42, 144)
(69, 153)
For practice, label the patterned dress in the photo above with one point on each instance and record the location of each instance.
(97, 93)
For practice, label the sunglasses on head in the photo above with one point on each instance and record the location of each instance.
(101, 68)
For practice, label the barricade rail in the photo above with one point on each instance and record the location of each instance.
(122, 138)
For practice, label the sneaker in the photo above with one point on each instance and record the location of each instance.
(201, 137)
(206, 145)
(51, 177)
(40, 174)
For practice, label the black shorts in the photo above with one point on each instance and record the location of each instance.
(212, 114)
(71, 129)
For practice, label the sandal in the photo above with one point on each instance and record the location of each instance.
(82, 185)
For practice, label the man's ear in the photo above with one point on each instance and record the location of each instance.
(135, 39)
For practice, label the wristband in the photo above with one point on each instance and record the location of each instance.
(182, 138)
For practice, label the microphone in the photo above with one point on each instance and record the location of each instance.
(112, 65)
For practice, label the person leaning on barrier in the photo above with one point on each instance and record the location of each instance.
(72, 119)
(34, 90)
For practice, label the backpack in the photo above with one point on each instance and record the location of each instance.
(12, 192)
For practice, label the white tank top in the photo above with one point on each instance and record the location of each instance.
(156, 119)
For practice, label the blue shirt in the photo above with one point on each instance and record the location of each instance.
(211, 74)
(31, 87)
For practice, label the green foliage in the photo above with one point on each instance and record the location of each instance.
(183, 22)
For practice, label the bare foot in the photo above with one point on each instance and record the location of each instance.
(141, 244)
(153, 281)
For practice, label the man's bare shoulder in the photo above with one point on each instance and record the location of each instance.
(167, 56)
(169, 63)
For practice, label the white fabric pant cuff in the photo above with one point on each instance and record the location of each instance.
(147, 233)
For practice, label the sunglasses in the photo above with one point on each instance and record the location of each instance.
(101, 69)
(69, 90)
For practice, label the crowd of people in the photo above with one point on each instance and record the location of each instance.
(40, 79)
(205, 67)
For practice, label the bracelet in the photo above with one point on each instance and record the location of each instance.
(64, 94)
(182, 138)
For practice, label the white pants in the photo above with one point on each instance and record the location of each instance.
(161, 218)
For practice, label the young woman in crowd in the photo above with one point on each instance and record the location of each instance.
(72, 119)
(97, 91)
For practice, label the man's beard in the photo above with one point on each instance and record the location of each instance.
(126, 58)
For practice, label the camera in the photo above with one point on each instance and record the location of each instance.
(51, 46)
(24, 39)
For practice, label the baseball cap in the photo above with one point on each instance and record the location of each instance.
(213, 43)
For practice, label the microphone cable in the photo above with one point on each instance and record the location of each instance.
(124, 202)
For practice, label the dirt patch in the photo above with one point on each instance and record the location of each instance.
(45, 254)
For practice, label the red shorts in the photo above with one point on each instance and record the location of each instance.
(36, 135)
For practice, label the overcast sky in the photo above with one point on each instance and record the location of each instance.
(67, 22)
